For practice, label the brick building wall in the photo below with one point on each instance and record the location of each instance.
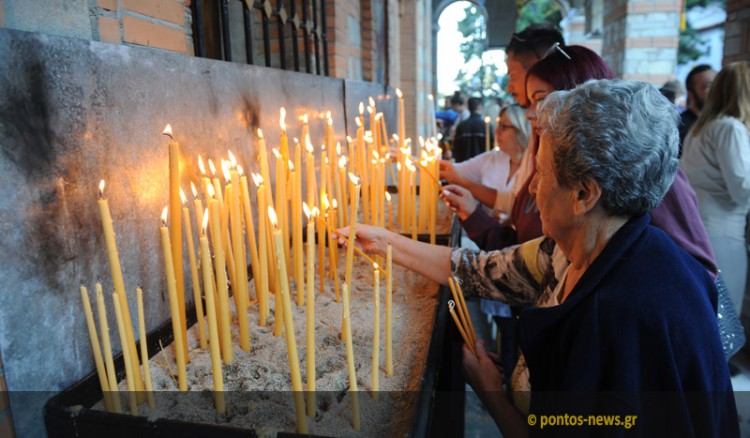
(737, 28)
(640, 39)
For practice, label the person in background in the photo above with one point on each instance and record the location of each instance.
(673, 91)
(471, 139)
(458, 105)
(716, 159)
(697, 84)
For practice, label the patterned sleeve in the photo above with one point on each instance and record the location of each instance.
(514, 275)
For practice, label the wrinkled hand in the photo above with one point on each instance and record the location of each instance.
(371, 239)
(448, 172)
(482, 371)
(459, 200)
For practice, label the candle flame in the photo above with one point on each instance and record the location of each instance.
(167, 130)
(378, 116)
(361, 108)
(260, 133)
(342, 161)
(398, 93)
(328, 115)
(272, 216)
(282, 118)
(487, 120)
(306, 210)
(164, 216)
(375, 266)
(338, 148)
(211, 191)
(276, 153)
(309, 147)
(195, 191)
(205, 220)
(334, 203)
(232, 159)
(240, 170)
(200, 165)
(291, 165)
(225, 170)
(257, 179)
(431, 97)
(315, 212)
(305, 119)
(395, 137)
(421, 141)
(330, 120)
(358, 122)
(371, 101)
(348, 138)
(182, 196)
(325, 203)
(388, 197)
(369, 110)
(212, 167)
(354, 179)
(101, 188)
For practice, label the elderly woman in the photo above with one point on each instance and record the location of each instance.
(495, 171)
(612, 327)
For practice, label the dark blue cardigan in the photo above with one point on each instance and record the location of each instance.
(636, 336)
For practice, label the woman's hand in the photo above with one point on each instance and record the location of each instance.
(371, 239)
(448, 172)
(459, 200)
(482, 371)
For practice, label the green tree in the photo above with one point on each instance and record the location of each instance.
(690, 43)
(476, 77)
(537, 11)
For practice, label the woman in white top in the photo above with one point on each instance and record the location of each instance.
(494, 172)
(716, 160)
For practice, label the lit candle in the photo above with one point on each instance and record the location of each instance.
(299, 265)
(213, 329)
(221, 281)
(376, 333)
(175, 230)
(262, 292)
(346, 323)
(194, 274)
(310, 327)
(334, 251)
(144, 349)
(173, 303)
(238, 242)
(388, 311)
(354, 190)
(322, 245)
(117, 279)
(101, 372)
(412, 199)
(226, 203)
(284, 141)
(339, 181)
(250, 226)
(109, 363)
(205, 180)
(129, 371)
(291, 342)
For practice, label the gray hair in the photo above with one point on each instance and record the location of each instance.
(517, 116)
(621, 134)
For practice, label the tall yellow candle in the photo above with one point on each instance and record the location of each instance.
(486, 134)
(401, 122)
(354, 203)
(263, 304)
(144, 349)
(322, 245)
(310, 326)
(291, 341)
(250, 229)
(299, 263)
(117, 279)
(376, 333)
(221, 282)
(413, 198)
(340, 183)
(346, 323)
(333, 254)
(390, 211)
(194, 275)
(101, 372)
(173, 303)
(225, 203)
(240, 262)
(109, 363)
(175, 229)
(388, 311)
(129, 371)
(213, 329)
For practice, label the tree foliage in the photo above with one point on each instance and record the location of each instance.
(690, 45)
(476, 78)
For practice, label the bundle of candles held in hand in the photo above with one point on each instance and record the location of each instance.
(336, 183)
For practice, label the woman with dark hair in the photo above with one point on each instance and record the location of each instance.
(560, 69)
